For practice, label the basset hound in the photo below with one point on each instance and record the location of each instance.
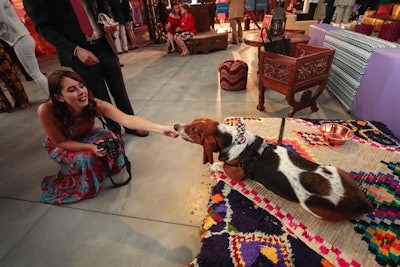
(325, 191)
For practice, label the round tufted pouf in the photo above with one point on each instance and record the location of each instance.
(233, 75)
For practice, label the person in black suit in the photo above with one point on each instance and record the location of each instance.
(212, 12)
(330, 10)
(93, 57)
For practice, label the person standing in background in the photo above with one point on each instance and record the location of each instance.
(330, 10)
(126, 11)
(236, 14)
(212, 12)
(14, 57)
(120, 35)
(343, 10)
(85, 46)
(9, 76)
(162, 14)
(320, 11)
(16, 35)
(221, 16)
(137, 13)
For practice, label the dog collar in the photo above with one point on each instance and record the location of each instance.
(240, 138)
(251, 156)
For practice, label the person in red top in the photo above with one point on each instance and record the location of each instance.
(173, 21)
(186, 30)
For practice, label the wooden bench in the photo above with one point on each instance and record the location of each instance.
(206, 39)
(205, 42)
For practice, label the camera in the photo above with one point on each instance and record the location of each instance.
(111, 145)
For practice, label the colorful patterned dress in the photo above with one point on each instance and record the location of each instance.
(9, 76)
(81, 172)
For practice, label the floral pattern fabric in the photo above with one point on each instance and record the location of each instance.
(9, 77)
(81, 172)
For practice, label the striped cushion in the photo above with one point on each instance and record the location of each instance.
(233, 75)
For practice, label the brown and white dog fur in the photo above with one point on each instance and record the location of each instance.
(325, 191)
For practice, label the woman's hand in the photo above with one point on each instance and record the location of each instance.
(133, 122)
(100, 152)
(86, 57)
(110, 28)
(169, 131)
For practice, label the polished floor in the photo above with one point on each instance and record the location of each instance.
(155, 220)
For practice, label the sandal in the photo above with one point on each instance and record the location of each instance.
(185, 54)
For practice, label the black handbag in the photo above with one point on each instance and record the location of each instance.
(281, 46)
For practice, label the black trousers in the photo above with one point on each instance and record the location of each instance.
(330, 10)
(104, 78)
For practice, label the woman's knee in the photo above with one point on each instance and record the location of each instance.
(179, 41)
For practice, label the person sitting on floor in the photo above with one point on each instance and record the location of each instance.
(186, 29)
(68, 120)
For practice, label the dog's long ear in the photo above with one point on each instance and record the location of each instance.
(209, 146)
(208, 134)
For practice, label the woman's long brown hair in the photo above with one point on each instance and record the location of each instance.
(60, 110)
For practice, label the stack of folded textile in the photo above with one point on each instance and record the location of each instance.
(352, 53)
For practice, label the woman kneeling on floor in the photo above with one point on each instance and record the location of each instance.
(68, 119)
(186, 29)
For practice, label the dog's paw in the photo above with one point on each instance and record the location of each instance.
(216, 166)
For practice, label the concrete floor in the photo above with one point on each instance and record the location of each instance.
(155, 220)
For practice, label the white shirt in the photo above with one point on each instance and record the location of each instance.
(97, 33)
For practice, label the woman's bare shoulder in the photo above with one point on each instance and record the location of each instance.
(45, 108)
(45, 112)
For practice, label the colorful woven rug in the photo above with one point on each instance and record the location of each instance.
(231, 239)
(371, 240)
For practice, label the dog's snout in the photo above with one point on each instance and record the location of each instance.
(176, 127)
